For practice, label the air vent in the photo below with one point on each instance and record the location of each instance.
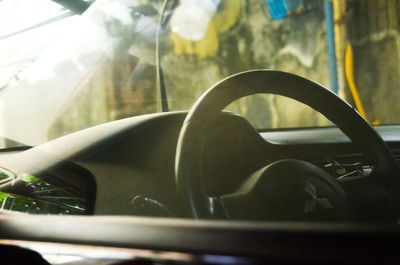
(343, 166)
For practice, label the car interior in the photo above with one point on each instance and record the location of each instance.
(205, 185)
(225, 171)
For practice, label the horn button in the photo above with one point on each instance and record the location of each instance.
(289, 190)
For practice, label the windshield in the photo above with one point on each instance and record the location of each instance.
(63, 71)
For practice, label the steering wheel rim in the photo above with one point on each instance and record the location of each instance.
(188, 164)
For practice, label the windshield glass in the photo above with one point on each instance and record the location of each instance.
(63, 71)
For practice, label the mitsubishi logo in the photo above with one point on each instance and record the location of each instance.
(311, 205)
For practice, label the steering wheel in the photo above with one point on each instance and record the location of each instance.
(287, 189)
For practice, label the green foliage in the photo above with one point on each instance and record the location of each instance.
(3, 176)
(29, 178)
(48, 199)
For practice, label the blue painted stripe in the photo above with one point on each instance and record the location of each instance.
(330, 38)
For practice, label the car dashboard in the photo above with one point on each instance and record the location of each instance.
(126, 168)
(135, 158)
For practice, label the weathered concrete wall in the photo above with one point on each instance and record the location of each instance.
(123, 86)
(296, 44)
(373, 31)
